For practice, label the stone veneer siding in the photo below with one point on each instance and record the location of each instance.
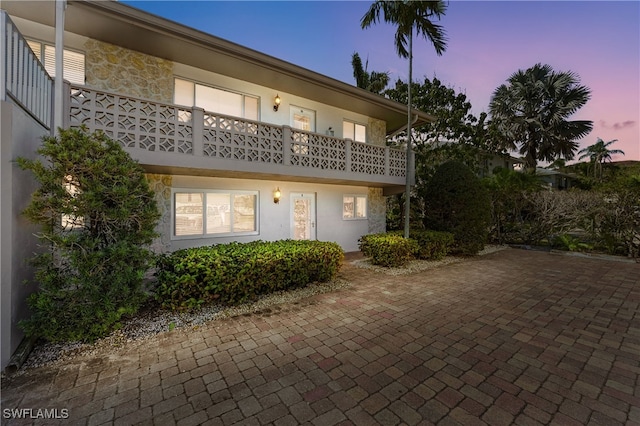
(377, 211)
(120, 70)
(377, 202)
(377, 132)
(161, 186)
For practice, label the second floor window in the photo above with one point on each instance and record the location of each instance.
(73, 62)
(216, 100)
(354, 131)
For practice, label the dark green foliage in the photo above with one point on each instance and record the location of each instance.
(431, 245)
(393, 250)
(570, 243)
(456, 202)
(235, 273)
(390, 250)
(530, 113)
(95, 236)
(432, 144)
(511, 204)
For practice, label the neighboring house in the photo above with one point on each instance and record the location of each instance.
(555, 179)
(238, 145)
(492, 161)
(487, 161)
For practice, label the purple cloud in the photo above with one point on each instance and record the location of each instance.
(618, 126)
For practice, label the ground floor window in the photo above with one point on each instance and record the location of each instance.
(215, 213)
(354, 207)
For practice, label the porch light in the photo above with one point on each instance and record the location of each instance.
(276, 103)
(276, 195)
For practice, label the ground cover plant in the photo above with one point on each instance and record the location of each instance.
(97, 216)
(235, 273)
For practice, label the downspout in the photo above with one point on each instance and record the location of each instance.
(58, 91)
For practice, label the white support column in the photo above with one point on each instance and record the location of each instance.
(58, 111)
(3, 58)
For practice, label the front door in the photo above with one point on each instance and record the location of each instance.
(303, 216)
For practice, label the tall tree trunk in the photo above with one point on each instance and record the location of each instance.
(407, 202)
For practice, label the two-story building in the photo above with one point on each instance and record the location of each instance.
(238, 145)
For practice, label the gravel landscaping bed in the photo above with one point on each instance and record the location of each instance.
(152, 320)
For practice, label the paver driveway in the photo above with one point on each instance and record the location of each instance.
(514, 337)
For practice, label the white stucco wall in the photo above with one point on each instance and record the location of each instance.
(326, 116)
(20, 135)
(275, 221)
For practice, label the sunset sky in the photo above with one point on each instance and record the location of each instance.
(488, 41)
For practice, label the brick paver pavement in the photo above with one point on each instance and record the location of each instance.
(514, 337)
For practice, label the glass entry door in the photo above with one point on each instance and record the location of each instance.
(303, 216)
(303, 118)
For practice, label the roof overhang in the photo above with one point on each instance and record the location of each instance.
(129, 27)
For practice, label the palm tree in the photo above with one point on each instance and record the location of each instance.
(372, 81)
(599, 153)
(409, 16)
(531, 111)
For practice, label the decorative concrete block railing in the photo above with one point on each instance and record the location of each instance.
(22, 76)
(163, 128)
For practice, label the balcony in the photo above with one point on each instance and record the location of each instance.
(172, 139)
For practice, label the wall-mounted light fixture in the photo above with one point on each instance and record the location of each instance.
(276, 195)
(276, 103)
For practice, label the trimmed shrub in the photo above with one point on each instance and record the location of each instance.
(457, 202)
(98, 216)
(430, 245)
(390, 250)
(235, 273)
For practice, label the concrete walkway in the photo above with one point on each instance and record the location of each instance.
(514, 337)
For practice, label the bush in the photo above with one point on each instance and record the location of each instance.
(456, 202)
(390, 250)
(430, 245)
(97, 215)
(511, 194)
(234, 273)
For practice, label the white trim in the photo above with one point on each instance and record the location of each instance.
(355, 207)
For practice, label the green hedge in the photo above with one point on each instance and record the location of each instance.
(387, 249)
(431, 245)
(393, 250)
(234, 273)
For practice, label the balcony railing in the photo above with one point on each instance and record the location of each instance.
(173, 136)
(22, 76)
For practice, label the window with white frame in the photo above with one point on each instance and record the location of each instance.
(354, 131)
(73, 62)
(216, 100)
(354, 207)
(214, 213)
